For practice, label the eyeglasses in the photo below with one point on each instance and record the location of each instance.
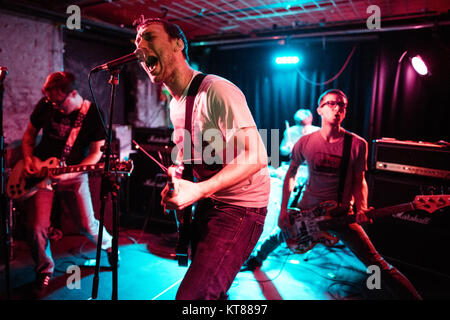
(342, 105)
(56, 104)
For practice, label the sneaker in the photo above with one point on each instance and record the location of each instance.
(109, 253)
(41, 284)
(251, 265)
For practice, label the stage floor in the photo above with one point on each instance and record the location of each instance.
(148, 271)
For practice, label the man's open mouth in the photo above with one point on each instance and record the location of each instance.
(151, 62)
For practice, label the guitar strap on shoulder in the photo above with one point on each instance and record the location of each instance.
(185, 229)
(187, 141)
(75, 130)
(344, 165)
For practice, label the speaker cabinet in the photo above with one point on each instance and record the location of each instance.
(417, 238)
(148, 179)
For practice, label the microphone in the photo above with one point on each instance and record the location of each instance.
(3, 73)
(139, 54)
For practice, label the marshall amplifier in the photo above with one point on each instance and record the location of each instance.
(153, 139)
(414, 241)
(147, 179)
(411, 157)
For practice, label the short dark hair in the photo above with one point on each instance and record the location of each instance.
(335, 91)
(172, 29)
(62, 80)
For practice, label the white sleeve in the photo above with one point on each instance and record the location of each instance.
(227, 108)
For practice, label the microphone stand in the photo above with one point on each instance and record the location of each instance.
(109, 184)
(4, 200)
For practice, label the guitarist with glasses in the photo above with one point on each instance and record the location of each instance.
(337, 161)
(72, 132)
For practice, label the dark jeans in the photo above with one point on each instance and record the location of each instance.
(356, 239)
(76, 194)
(223, 236)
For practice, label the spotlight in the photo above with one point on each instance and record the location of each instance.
(287, 60)
(419, 65)
(417, 62)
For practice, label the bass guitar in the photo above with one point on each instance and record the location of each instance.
(307, 228)
(21, 187)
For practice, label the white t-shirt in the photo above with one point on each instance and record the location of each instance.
(220, 110)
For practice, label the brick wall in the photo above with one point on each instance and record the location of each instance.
(30, 49)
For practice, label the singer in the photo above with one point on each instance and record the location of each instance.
(232, 196)
(72, 132)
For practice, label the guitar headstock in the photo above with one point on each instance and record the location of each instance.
(431, 203)
(123, 167)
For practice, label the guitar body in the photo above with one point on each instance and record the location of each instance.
(305, 231)
(21, 187)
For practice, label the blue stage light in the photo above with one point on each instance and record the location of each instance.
(287, 60)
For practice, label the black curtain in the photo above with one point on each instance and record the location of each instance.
(274, 93)
(408, 106)
(385, 99)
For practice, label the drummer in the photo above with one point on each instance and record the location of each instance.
(303, 125)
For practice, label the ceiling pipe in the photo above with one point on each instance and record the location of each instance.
(318, 34)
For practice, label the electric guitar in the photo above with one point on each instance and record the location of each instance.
(183, 220)
(308, 227)
(20, 187)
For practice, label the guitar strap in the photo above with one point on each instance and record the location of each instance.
(185, 233)
(75, 130)
(187, 142)
(344, 165)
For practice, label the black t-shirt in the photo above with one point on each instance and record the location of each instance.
(56, 127)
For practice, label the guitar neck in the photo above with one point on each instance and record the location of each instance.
(77, 168)
(388, 211)
(376, 213)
